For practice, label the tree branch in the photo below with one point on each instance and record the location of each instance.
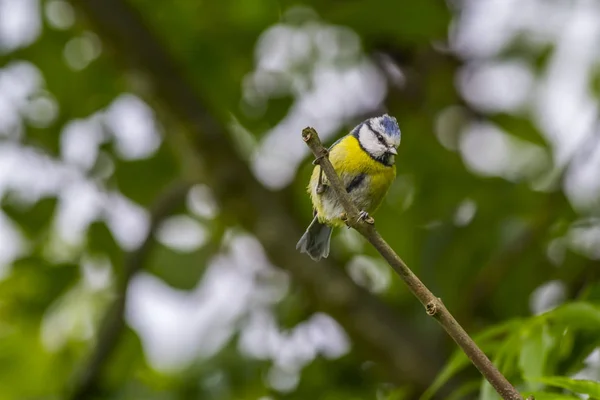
(433, 305)
(113, 323)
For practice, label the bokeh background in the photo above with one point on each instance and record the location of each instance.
(152, 185)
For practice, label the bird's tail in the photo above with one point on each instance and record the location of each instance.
(315, 241)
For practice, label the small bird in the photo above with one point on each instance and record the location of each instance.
(364, 159)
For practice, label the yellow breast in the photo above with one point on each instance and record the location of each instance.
(350, 160)
(347, 156)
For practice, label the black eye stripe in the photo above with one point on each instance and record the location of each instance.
(377, 134)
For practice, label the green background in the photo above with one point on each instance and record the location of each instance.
(152, 184)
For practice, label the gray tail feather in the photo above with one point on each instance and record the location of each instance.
(315, 241)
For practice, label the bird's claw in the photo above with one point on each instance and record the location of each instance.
(344, 218)
(324, 154)
(364, 216)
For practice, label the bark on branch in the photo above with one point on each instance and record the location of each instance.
(433, 305)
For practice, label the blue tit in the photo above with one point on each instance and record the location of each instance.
(365, 162)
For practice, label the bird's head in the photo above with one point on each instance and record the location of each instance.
(380, 137)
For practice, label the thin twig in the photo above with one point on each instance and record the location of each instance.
(113, 323)
(433, 305)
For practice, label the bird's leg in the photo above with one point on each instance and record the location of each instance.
(320, 186)
(344, 218)
(364, 216)
(317, 161)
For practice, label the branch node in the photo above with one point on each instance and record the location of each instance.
(307, 133)
(431, 308)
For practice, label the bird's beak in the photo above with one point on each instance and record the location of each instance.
(392, 150)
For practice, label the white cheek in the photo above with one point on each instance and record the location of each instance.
(371, 144)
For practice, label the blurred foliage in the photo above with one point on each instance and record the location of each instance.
(536, 351)
(481, 209)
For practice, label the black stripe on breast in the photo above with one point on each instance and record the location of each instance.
(355, 182)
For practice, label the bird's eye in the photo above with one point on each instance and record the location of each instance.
(380, 138)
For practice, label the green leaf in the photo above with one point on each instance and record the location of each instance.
(485, 339)
(572, 351)
(535, 348)
(492, 333)
(507, 356)
(577, 315)
(582, 386)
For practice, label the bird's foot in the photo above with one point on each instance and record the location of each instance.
(344, 218)
(320, 184)
(324, 154)
(364, 216)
